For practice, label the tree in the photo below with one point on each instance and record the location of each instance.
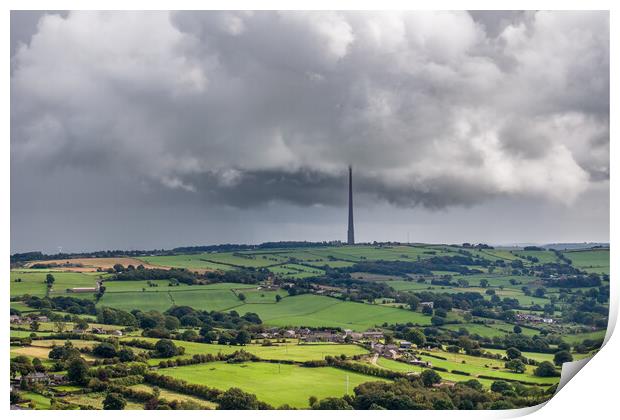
(166, 348)
(118, 268)
(515, 365)
(545, 369)
(513, 353)
(437, 320)
(562, 357)
(413, 302)
(49, 279)
(77, 371)
(114, 401)
(171, 322)
(427, 310)
(278, 298)
(126, 355)
(563, 345)
(241, 297)
(416, 336)
(430, 377)
(60, 326)
(105, 350)
(312, 400)
(501, 387)
(81, 324)
(517, 329)
(236, 399)
(332, 403)
(243, 337)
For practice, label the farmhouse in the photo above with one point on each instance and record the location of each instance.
(323, 336)
(405, 345)
(422, 363)
(533, 318)
(289, 334)
(427, 304)
(16, 319)
(373, 335)
(355, 336)
(37, 377)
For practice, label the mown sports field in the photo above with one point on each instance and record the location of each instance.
(273, 383)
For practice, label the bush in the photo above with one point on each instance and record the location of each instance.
(545, 369)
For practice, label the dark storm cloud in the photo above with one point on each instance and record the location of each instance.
(245, 109)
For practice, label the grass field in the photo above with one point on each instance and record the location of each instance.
(321, 311)
(189, 261)
(172, 395)
(273, 383)
(544, 257)
(592, 261)
(303, 310)
(41, 402)
(498, 329)
(21, 306)
(478, 366)
(578, 338)
(95, 399)
(33, 283)
(291, 351)
(541, 357)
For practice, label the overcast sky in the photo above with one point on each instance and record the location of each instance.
(141, 130)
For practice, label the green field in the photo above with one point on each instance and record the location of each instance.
(172, 395)
(41, 402)
(33, 283)
(541, 357)
(189, 261)
(592, 261)
(290, 351)
(95, 399)
(276, 384)
(321, 311)
(498, 329)
(578, 338)
(544, 257)
(303, 310)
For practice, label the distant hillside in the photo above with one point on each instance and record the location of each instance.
(583, 245)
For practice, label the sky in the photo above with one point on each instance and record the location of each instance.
(150, 130)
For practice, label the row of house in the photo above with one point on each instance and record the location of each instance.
(96, 330)
(393, 351)
(533, 318)
(16, 319)
(315, 336)
(43, 377)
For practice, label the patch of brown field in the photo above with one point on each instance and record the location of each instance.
(92, 264)
(41, 352)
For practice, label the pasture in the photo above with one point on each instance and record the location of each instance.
(274, 383)
(280, 351)
(172, 395)
(592, 261)
(497, 329)
(322, 311)
(33, 283)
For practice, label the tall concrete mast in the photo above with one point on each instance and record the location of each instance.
(350, 234)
